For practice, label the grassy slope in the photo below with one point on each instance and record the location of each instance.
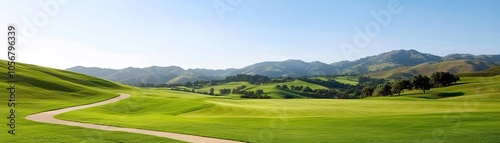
(41, 89)
(473, 117)
(342, 79)
(458, 66)
(269, 89)
(486, 73)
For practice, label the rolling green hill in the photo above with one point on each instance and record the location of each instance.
(472, 115)
(269, 89)
(458, 66)
(352, 80)
(42, 89)
(467, 112)
(486, 73)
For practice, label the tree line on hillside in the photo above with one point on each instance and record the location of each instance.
(367, 86)
(367, 80)
(419, 82)
(252, 79)
(328, 83)
(309, 92)
(258, 94)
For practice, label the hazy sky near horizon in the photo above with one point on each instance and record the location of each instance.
(237, 33)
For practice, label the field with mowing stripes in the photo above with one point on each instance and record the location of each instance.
(471, 116)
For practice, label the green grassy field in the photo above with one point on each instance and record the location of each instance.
(469, 113)
(269, 89)
(352, 80)
(41, 89)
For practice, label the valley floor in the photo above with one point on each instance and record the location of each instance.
(48, 117)
(474, 116)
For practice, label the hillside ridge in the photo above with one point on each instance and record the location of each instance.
(395, 61)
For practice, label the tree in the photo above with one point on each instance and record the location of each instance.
(397, 87)
(406, 84)
(259, 92)
(225, 91)
(278, 86)
(250, 93)
(421, 82)
(299, 88)
(443, 79)
(307, 89)
(285, 87)
(367, 91)
(357, 94)
(211, 91)
(383, 90)
(189, 84)
(332, 93)
(253, 79)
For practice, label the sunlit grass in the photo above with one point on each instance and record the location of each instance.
(41, 89)
(471, 117)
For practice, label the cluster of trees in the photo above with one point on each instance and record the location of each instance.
(367, 80)
(443, 79)
(239, 90)
(225, 91)
(296, 88)
(253, 79)
(282, 79)
(367, 86)
(285, 87)
(419, 82)
(192, 90)
(326, 93)
(152, 85)
(330, 83)
(258, 94)
(180, 89)
(309, 92)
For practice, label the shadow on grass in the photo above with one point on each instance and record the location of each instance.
(450, 94)
(438, 95)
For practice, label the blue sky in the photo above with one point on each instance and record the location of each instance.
(191, 33)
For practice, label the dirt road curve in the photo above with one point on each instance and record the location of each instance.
(48, 117)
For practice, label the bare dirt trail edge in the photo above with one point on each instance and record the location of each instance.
(48, 117)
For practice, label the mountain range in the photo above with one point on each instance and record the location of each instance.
(392, 64)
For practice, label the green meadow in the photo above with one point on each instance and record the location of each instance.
(42, 89)
(466, 112)
(441, 115)
(269, 89)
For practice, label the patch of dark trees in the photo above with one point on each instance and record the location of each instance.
(419, 82)
(309, 92)
(329, 83)
(367, 87)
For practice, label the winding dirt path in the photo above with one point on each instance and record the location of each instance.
(48, 117)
